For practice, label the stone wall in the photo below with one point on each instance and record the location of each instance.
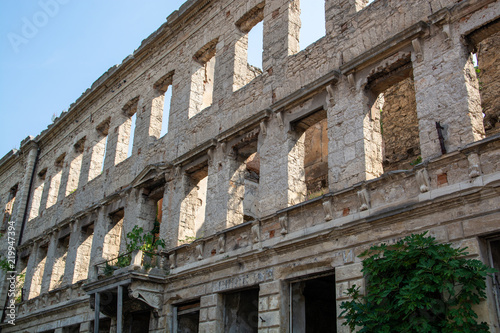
(270, 182)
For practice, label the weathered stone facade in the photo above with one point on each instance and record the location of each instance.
(270, 182)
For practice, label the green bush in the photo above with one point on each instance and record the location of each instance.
(417, 285)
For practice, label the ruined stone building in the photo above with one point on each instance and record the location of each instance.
(270, 181)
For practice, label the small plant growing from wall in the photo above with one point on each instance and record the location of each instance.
(417, 285)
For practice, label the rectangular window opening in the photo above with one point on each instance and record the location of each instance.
(133, 120)
(485, 62)
(193, 207)
(167, 100)
(36, 280)
(244, 182)
(313, 305)
(160, 112)
(83, 253)
(75, 166)
(112, 240)
(308, 159)
(187, 317)
(202, 79)
(55, 181)
(126, 131)
(312, 21)
(249, 47)
(56, 278)
(241, 311)
(37, 195)
(395, 107)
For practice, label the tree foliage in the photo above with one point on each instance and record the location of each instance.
(417, 285)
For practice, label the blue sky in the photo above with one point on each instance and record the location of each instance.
(51, 51)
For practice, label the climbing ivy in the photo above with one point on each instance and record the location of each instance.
(417, 285)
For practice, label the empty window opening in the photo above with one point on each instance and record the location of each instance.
(308, 158)
(9, 207)
(99, 150)
(55, 181)
(396, 109)
(312, 22)
(133, 120)
(487, 67)
(193, 206)
(494, 258)
(37, 194)
(249, 47)
(112, 240)
(188, 317)
(39, 268)
(83, 253)
(124, 146)
(202, 80)
(241, 311)
(61, 253)
(75, 166)
(313, 305)
(160, 112)
(152, 213)
(244, 182)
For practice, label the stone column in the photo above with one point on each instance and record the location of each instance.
(338, 12)
(273, 168)
(69, 269)
(96, 252)
(174, 194)
(281, 33)
(354, 138)
(22, 196)
(446, 91)
(211, 313)
(49, 262)
(220, 171)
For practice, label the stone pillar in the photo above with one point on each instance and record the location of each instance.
(354, 138)
(273, 167)
(174, 194)
(69, 269)
(281, 34)
(338, 12)
(61, 194)
(211, 313)
(49, 262)
(96, 252)
(272, 310)
(446, 91)
(22, 196)
(219, 194)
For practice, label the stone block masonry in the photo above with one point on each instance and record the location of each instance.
(271, 181)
